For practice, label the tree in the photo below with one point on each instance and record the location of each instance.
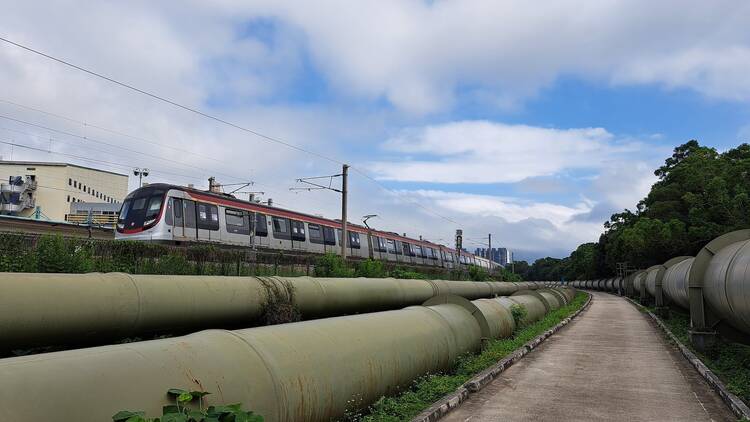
(700, 194)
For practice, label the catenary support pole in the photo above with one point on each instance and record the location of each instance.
(344, 191)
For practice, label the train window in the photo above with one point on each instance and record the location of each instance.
(329, 237)
(177, 208)
(407, 249)
(261, 228)
(281, 228)
(316, 234)
(417, 251)
(380, 244)
(168, 214)
(238, 222)
(189, 211)
(354, 240)
(432, 253)
(298, 230)
(390, 245)
(208, 217)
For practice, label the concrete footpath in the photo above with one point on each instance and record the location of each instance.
(611, 363)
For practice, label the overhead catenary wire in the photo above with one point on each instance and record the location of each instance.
(215, 118)
(112, 131)
(98, 141)
(172, 102)
(93, 160)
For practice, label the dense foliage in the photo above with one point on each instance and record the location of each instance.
(700, 194)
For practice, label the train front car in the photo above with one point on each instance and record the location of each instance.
(142, 215)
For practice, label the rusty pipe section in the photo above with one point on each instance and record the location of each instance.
(306, 371)
(51, 309)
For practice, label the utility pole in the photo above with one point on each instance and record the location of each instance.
(311, 185)
(344, 191)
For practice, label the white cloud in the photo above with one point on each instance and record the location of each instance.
(417, 55)
(489, 152)
(515, 223)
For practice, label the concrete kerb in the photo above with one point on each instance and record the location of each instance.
(453, 400)
(738, 407)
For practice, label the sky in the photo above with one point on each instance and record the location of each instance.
(531, 123)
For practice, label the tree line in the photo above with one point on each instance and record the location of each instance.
(700, 194)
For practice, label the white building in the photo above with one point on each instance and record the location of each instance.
(47, 190)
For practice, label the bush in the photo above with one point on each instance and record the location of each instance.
(331, 265)
(371, 268)
(478, 274)
(399, 272)
(519, 314)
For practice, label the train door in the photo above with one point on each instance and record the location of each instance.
(329, 239)
(237, 224)
(315, 232)
(190, 230)
(261, 231)
(208, 221)
(372, 243)
(178, 229)
(354, 245)
(282, 237)
(298, 235)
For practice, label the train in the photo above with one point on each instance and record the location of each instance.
(167, 213)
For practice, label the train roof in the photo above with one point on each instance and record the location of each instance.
(231, 200)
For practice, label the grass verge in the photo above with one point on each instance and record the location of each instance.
(430, 388)
(729, 361)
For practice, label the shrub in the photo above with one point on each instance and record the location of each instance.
(399, 272)
(371, 268)
(331, 265)
(519, 314)
(478, 274)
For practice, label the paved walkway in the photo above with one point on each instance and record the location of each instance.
(610, 364)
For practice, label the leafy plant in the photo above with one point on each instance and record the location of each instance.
(331, 265)
(181, 411)
(371, 268)
(519, 314)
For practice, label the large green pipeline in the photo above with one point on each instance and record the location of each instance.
(306, 371)
(49, 309)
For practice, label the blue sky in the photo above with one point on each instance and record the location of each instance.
(496, 117)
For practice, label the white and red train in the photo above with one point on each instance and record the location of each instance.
(176, 214)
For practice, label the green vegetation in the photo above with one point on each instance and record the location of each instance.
(331, 265)
(55, 254)
(427, 390)
(730, 361)
(21, 253)
(182, 411)
(700, 194)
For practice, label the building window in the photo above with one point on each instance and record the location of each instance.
(70, 183)
(68, 198)
(75, 183)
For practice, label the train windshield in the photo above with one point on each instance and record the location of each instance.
(141, 209)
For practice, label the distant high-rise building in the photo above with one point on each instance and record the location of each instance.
(500, 255)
